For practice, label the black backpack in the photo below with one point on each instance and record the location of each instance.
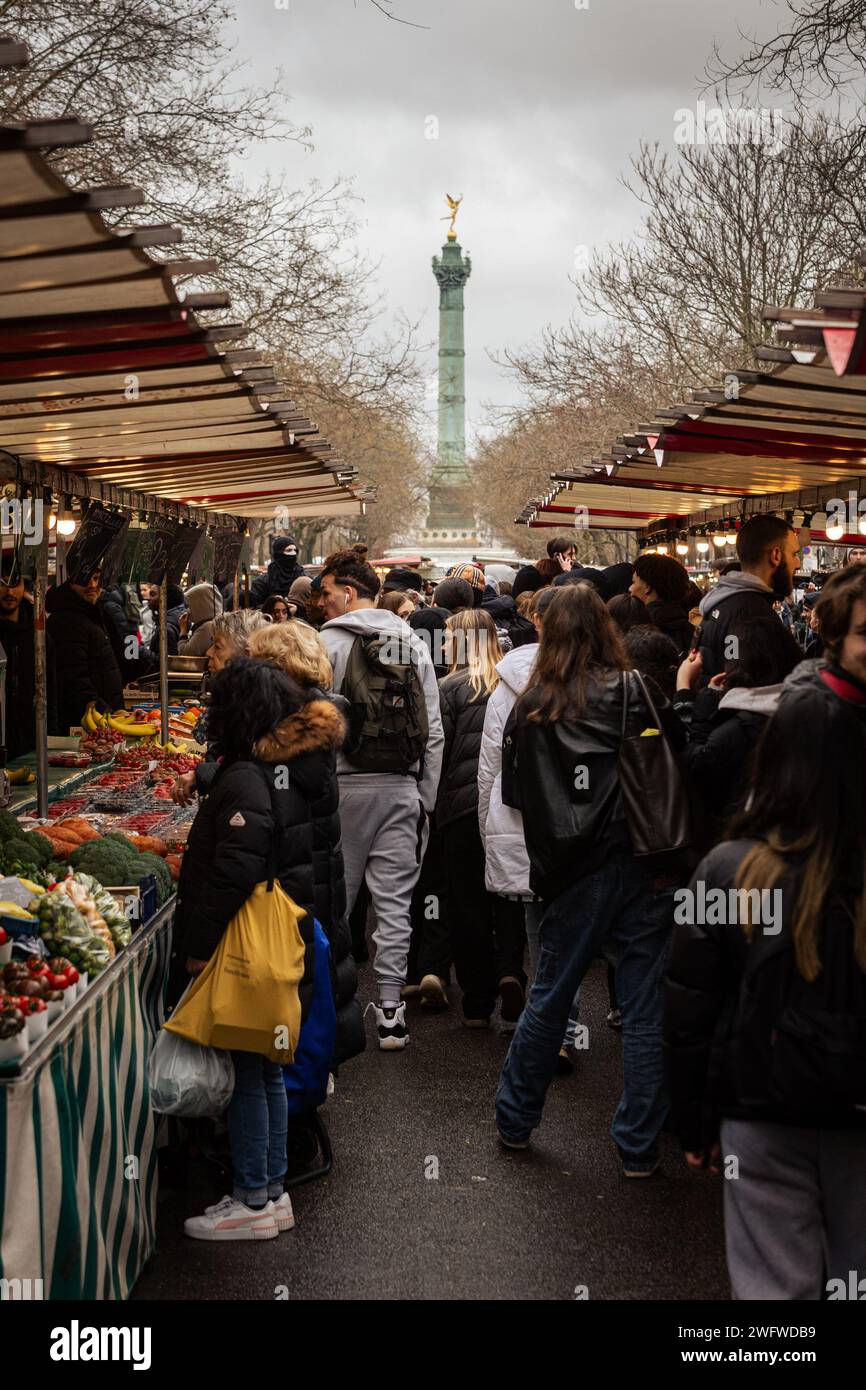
(800, 1047)
(388, 712)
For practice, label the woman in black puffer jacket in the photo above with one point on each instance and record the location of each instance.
(307, 743)
(487, 932)
(253, 822)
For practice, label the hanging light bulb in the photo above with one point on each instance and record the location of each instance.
(835, 531)
(65, 526)
(719, 538)
(702, 545)
(682, 546)
(861, 525)
(662, 549)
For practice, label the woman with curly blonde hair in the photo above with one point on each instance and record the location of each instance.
(306, 744)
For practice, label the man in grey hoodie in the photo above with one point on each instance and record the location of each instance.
(767, 547)
(383, 815)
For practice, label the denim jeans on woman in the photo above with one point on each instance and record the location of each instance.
(618, 908)
(258, 1122)
(533, 914)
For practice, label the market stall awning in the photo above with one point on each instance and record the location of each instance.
(109, 372)
(792, 435)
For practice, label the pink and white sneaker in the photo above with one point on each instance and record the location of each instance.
(283, 1214)
(231, 1220)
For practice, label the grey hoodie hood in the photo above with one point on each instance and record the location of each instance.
(731, 584)
(761, 699)
(516, 666)
(365, 620)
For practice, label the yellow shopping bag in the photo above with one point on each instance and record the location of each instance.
(246, 998)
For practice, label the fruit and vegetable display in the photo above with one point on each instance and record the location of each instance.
(67, 932)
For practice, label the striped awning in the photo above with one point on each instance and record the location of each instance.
(791, 435)
(108, 370)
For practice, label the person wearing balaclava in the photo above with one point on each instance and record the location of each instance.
(280, 574)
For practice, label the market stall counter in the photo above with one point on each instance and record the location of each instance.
(78, 1137)
(87, 897)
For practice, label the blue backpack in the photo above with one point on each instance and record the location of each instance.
(307, 1078)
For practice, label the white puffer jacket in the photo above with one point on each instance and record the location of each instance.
(506, 860)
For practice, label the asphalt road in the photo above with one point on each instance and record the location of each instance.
(547, 1224)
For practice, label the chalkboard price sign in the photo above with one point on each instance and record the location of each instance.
(96, 535)
(226, 554)
(182, 549)
(112, 565)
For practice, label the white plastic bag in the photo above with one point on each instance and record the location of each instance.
(188, 1080)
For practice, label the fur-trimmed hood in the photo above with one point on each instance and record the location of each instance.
(319, 727)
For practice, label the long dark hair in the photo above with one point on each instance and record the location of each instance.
(766, 653)
(248, 698)
(579, 643)
(807, 811)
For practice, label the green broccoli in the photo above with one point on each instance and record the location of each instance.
(39, 842)
(10, 827)
(116, 838)
(104, 861)
(20, 852)
(152, 864)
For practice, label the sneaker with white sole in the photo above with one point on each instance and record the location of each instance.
(433, 994)
(390, 1026)
(283, 1214)
(231, 1220)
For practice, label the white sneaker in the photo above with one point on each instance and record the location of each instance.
(283, 1214)
(231, 1220)
(390, 1026)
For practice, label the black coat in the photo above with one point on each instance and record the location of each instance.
(462, 724)
(707, 1074)
(569, 827)
(671, 617)
(277, 579)
(715, 626)
(222, 863)
(718, 752)
(120, 627)
(172, 631)
(86, 666)
(17, 641)
(505, 614)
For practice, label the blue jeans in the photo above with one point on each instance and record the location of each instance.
(615, 909)
(258, 1123)
(533, 913)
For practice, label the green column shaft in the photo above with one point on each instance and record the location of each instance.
(452, 269)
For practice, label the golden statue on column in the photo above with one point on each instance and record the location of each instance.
(454, 205)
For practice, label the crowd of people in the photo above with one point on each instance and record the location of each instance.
(504, 788)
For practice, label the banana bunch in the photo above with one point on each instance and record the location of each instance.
(92, 721)
(20, 776)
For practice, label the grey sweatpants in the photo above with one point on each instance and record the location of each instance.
(384, 830)
(795, 1216)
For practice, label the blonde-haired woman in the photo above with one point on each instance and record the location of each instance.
(307, 743)
(298, 649)
(487, 932)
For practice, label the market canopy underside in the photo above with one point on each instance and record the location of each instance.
(792, 435)
(107, 371)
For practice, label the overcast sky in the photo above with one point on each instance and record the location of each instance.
(539, 106)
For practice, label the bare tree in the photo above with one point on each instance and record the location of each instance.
(822, 45)
(172, 112)
(728, 228)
